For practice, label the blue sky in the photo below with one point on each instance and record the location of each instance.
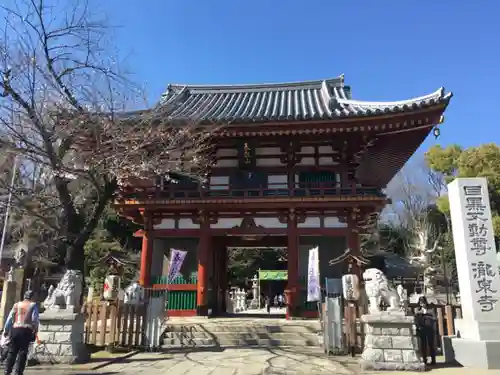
(388, 50)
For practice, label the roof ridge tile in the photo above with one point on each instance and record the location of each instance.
(294, 101)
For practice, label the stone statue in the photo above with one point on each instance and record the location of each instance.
(20, 256)
(10, 274)
(67, 293)
(403, 297)
(134, 294)
(377, 287)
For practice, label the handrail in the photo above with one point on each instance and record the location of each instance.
(298, 189)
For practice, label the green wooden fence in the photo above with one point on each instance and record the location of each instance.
(180, 299)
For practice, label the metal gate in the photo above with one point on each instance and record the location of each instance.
(333, 332)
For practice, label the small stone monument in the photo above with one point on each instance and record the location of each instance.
(229, 303)
(61, 324)
(390, 342)
(255, 303)
(477, 343)
(90, 294)
(240, 300)
(403, 297)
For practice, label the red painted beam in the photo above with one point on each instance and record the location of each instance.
(331, 232)
(239, 205)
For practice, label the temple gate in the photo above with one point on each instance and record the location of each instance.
(296, 165)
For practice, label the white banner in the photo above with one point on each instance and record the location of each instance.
(176, 259)
(313, 283)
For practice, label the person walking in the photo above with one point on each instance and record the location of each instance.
(425, 322)
(280, 301)
(22, 327)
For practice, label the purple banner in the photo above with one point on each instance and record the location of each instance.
(176, 260)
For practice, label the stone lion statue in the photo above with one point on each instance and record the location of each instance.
(377, 288)
(134, 294)
(67, 293)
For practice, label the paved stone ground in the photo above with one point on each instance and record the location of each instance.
(244, 361)
(247, 361)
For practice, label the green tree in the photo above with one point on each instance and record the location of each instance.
(114, 235)
(480, 161)
(244, 263)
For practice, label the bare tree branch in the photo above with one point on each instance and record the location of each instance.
(67, 111)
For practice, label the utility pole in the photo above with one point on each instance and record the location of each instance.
(7, 209)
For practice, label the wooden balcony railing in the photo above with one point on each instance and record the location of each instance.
(269, 190)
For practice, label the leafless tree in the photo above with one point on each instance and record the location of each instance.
(64, 114)
(411, 192)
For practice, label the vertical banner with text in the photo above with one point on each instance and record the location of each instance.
(176, 260)
(313, 281)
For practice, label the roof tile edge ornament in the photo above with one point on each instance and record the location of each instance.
(296, 101)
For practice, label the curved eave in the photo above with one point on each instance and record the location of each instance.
(389, 154)
(294, 105)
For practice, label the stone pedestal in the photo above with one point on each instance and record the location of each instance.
(390, 343)
(61, 338)
(254, 304)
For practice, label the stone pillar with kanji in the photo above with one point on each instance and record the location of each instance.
(477, 343)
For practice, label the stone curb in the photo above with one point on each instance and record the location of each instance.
(83, 367)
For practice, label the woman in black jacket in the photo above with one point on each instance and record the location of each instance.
(425, 321)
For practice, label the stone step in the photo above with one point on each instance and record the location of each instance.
(191, 343)
(233, 332)
(241, 335)
(235, 342)
(243, 328)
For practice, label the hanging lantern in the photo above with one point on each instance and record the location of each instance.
(247, 153)
(436, 132)
(350, 287)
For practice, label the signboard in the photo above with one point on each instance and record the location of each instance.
(333, 287)
(475, 251)
(273, 275)
(313, 283)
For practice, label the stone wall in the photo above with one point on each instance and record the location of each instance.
(390, 343)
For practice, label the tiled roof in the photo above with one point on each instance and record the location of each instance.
(310, 100)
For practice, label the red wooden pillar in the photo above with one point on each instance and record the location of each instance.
(146, 251)
(293, 288)
(203, 259)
